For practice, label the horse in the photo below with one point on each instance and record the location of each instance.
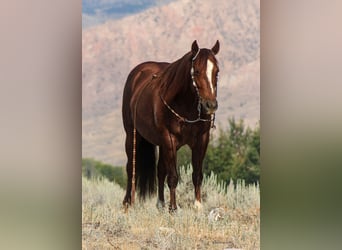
(168, 105)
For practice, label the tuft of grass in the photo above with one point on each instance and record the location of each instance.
(105, 225)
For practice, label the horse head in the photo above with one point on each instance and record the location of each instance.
(204, 74)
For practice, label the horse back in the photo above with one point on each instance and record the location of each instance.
(139, 77)
(143, 72)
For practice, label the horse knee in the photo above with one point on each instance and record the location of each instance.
(172, 181)
(197, 178)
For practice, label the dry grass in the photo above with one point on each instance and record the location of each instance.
(106, 225)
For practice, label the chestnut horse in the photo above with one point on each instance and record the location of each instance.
(168, 105)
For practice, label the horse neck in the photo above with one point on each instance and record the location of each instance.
(177, 89)
(177, 78)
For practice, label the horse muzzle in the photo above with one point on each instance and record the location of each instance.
(209, 106)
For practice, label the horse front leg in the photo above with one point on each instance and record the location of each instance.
(168, 156)
(198, 153)
(172, 181)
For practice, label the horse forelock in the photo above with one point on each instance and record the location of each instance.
(204, 56)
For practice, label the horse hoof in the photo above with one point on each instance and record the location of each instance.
(198, 205)
(160, 204)
(126, 204)
(172, 210)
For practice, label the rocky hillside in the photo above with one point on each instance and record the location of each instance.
(165, 33)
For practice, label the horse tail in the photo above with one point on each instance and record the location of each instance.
(146, 168)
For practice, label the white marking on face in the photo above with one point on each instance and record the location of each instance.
(210, 67)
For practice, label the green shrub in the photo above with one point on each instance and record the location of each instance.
(233, 155)
(93, 169)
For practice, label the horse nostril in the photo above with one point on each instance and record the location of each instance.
(211, 105)
(215, 105)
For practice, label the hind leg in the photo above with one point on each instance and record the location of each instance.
(161, 182)
(129, 169)
(131, 176)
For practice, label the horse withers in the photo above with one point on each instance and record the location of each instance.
(168, 105)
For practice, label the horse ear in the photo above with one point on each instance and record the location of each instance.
(194, 48)
(216, 48)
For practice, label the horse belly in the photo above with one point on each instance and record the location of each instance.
(145, 120)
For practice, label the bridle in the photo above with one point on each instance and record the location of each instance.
(198, 119)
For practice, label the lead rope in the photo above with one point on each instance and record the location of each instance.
(135, 144)
(133, 165)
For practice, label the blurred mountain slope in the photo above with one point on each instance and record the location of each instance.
(165, 33)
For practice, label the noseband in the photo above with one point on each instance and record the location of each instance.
(198, 119)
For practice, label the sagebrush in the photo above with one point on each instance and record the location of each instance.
(107, 226)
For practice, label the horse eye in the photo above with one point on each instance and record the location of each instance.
(196, 73)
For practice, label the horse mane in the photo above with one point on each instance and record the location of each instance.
(179, 69)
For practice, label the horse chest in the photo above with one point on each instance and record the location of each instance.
(188, 133)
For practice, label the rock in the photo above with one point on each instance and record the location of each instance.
(216, 214)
